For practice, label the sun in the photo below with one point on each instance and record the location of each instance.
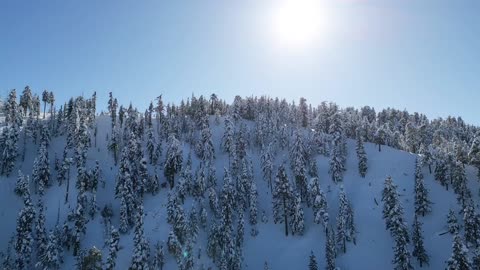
(297, 23)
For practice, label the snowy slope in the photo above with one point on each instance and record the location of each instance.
(374, 243)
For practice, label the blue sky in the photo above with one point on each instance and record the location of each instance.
(420, 55)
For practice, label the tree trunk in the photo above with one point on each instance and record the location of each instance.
(430, 168)
(379, 148)
(44, 108)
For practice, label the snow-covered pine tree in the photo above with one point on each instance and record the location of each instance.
(402, 256)
(298, 158)
(312, 264)
(22, 185)
(113, 249)
(253, 198)
(24, 237)
(141, 250)
(267, 165)
(470, 224)
(297, 216)
(417, 239)
(173, 163)
(213, 201)
(52, 258)
(41, 170)
(351, 229)
(228, 140)
(342, 221)
(158, 257)
(282, 198)
(10, 148)
(320, 207)
(330, 250)
(452, 222)
(193, 227)
(459, 259)
(337, 166)
(422, 202)
(151, 143)
(41, 237)
(441, 172)
(474, 154)
(362, 156)
(174, 246)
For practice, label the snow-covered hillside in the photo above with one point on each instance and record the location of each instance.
(373, 248)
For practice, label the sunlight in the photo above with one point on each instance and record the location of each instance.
(298, 24)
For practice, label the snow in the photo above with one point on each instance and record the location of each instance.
(374, 244)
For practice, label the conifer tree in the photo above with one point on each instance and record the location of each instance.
(298, 222)
(141, 250)
(24, 237)
(459, 259)
(41, 170)
(418, 247)
(267, 165)
(362, 156)
(113, 249)
(312, 265)
(452, 222)
(41, 237)
(422, 203)
(173, 163)
(298, 158)
(330, 250)
(282, 198)
(159, 257)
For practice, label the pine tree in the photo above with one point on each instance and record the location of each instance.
(41, 237)
(151, 143)
(141, 250)
(52, 258)
(441, 172)
(113, 249)
(337, 166)
(9, 154)
(282, 198)
(476, 258)
(228, 142)
(159, 257)
(459, 259)
(401, 254)
(173, 163)
(330, 250)
(253, 194)
(24, 237)
(298, 157)
(267, 165)
(22, 185)
(470, 224)
(362, 157)
(312, 265)
(41, 170)
(474, 154)
(342, 221)
(417, 239)
(297, 219)
(452, 222)
(92, 260)
(174, 246)
(422, 203)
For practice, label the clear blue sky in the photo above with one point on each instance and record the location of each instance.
(419, 55)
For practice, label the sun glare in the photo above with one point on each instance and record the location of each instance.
(297, 23)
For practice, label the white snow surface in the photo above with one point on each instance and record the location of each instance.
(374, 243)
